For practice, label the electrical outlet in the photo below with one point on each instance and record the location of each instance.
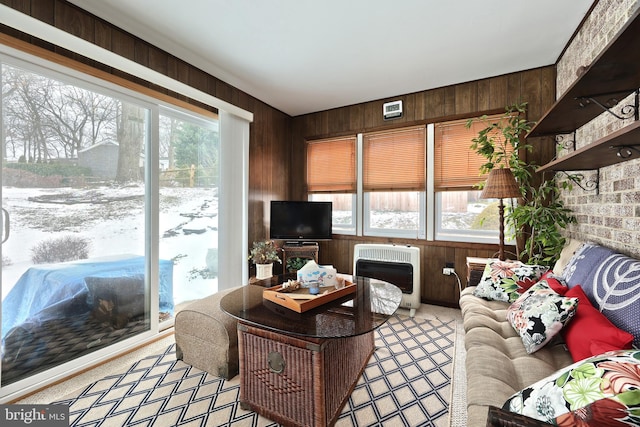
(447, 271)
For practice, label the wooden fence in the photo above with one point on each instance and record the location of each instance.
(189, 177)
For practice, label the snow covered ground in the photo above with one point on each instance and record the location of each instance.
(112, 219)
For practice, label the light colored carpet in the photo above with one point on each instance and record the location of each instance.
(458, 407)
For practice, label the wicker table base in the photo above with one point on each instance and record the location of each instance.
(299, 382)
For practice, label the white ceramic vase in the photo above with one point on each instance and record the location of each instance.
(264, 271)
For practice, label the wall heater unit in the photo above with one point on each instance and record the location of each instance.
(399, 265)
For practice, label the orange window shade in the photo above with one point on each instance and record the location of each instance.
(331, 165)
(394, 160)
(456, 164)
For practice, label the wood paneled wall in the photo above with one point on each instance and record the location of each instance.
(270, 133)
(491, 95)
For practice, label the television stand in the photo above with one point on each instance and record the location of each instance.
(307, 250)
(296, 244)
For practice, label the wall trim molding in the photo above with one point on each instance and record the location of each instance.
(21, 22)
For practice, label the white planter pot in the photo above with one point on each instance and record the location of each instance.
(264, 271)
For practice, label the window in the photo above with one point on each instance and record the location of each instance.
(460, 214)
(417, 182)
(393, 179)
(331, 177)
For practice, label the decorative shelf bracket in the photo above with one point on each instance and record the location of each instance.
(567, 141)
(580, 180)
(626, 151)
(626, 111)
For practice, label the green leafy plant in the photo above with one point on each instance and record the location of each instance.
(500, 142)
(544, 216)
(296, 263)
(264, 252)
(540, 216)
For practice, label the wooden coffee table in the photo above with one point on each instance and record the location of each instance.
(299, 369)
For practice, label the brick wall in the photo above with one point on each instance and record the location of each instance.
(612, 215)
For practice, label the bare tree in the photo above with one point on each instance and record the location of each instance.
(23, 107)
(52, 119)
(7, 91)
(130, 140)
(49, 119)
(66, 121)
(168, 136)
(80, 118)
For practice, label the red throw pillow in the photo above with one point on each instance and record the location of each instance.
(553, 283)
(590, 333)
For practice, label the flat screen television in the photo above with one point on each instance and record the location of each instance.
(299, 221)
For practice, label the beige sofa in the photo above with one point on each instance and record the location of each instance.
(497, 364)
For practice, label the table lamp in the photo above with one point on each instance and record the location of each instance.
(501, 184)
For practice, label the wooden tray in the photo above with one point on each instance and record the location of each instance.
(288, 300)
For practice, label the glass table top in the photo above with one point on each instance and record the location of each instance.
(373, 302)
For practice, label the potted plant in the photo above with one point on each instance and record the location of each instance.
(263, 254)
(296, 263)
(540, 217)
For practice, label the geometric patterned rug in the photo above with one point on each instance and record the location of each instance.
(407, 382)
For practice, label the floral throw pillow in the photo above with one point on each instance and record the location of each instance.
(603, 390)
(539, 315)
(503, 280)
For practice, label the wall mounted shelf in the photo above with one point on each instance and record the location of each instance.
(613, 148)
(613, 75)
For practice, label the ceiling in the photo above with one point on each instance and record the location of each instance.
(302, 56)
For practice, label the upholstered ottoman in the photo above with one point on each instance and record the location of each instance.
(207, 337)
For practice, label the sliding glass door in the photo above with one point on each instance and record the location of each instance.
(74, 276)
(189, 187)
(110, 204)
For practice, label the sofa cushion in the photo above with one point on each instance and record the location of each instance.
(611, 281)
(599, 391)
(497, 364)
(539, 315)
(568, 251)
(503, 280)
(590, 333)
(554, 282)
(580, 269)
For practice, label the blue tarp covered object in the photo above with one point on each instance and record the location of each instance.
(51, 291)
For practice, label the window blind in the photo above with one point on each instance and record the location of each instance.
(395, 160)
(331, 165)
(456, 165)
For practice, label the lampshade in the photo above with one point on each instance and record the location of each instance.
(501, 184)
